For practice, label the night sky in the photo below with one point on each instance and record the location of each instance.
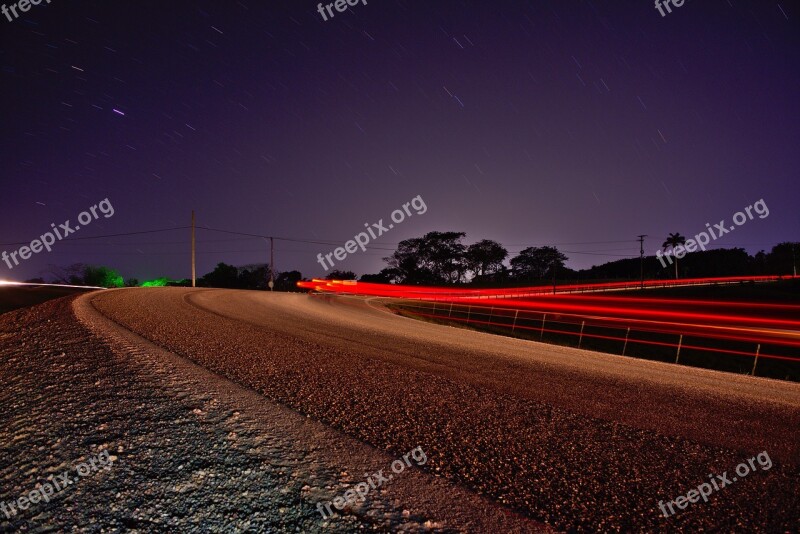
(580, 124)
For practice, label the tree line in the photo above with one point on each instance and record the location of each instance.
(442, 258)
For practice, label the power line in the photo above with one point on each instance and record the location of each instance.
(109, 235)
(154, 243)
(338, 242)
(290, 239)
(567, 244)
(598, 254)
(386, 246)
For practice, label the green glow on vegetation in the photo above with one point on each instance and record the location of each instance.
(158, 282)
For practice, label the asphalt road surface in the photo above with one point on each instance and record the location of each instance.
(575, 439)
(517, 434)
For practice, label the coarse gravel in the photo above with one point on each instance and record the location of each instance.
(578, 440)
(190, 451)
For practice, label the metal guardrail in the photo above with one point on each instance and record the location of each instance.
(568, 324)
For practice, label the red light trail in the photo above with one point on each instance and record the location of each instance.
(756, 323)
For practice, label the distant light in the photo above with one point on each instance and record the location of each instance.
(118, 111)
(10, 283)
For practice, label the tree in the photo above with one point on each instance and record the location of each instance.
(435, 258)
(336, 274)
(157, 282)
(81, 274)
(72, 274)
(287, 281)
(536, 263)
(223, 275)
(387, 275)
(719, 262)
(485, 258)
(782, 259)
(101, 277)
(673, 241)
(254, 276)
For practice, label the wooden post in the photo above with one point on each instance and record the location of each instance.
(624, 347)
(758, 350)
(580, 339)
(194, 272)
(541, 336)
(271, 264)
(513, 326)
(680, 342)
(451, 310)
(491, 315)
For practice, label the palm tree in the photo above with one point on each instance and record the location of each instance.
(673, 241)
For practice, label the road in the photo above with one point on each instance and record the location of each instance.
(575, 439)
(187, 450)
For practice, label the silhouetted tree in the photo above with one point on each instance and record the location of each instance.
(718, 262)
(536, 263)
(336, 274)
(72, 274)
(435, 258)
(223, 275)
(783, 258)
(254, 276)
(81, 274)
(387, 275)
(485, 258)
(672, 242)
(287, 281)
(101, 277)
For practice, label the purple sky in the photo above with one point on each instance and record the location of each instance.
(581, 124)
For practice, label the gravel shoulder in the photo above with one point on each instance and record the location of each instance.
(189, 450)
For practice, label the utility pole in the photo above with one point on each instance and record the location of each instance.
(194, 272)
(271, 263)
(641, 259)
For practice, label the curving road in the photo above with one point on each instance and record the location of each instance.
(571, 438)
